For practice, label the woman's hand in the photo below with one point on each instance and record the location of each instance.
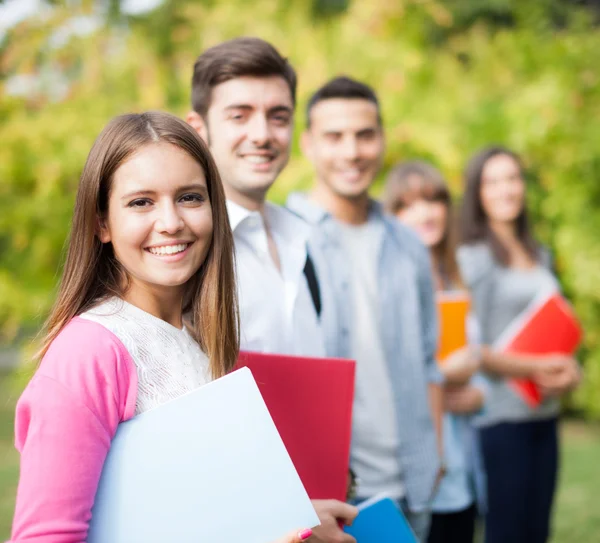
(458, 367)
(463, 400)
(296, 537)
(331, 513)
(556, 375)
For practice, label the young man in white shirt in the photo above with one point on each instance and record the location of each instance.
(243, 99)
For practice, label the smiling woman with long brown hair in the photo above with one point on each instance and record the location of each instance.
(150, 243)
(505, 269)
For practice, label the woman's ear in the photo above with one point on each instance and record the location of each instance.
(102, 230)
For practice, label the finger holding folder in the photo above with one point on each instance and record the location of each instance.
(557, 375)
(296, 537)
(333, 514)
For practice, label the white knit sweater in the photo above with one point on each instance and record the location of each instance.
(169, 361)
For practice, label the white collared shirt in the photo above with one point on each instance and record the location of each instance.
(277, 313)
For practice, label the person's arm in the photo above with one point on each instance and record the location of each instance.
(463, 400)
(509, 365)
(436, 404)
(64, 424)
(63, 446)
(331, 513)
(429, 328)
(523, 365)
(555, 374)
(461, 365)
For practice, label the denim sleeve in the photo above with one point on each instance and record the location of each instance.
(481, 383)
(429, 325)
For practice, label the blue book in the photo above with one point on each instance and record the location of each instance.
(380, 520)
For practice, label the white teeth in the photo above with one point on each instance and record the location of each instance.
(168, 249)
(257, 159)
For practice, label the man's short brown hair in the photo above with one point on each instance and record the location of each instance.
(345, 88)
(237, 58)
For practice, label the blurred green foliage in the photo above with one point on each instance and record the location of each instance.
(452, 76)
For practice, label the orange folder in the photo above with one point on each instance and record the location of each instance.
(547, 326)
(310, 400)
(453, 308)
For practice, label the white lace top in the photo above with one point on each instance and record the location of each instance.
(169, 361)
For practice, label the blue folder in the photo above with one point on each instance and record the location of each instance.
(380, 521)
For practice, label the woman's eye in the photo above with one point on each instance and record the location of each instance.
(140, 202)
(192, 198)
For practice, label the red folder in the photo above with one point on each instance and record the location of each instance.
(547, 326)
(310, 400)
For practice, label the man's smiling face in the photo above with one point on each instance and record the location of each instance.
(249, 128)
(345, 143)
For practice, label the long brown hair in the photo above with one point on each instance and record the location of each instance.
(474, 222)
(416, 180)
(92, 273)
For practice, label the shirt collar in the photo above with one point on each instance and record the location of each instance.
(283, 222)
(300, 203)
(238, 214)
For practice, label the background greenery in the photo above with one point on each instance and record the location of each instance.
(452, 75)
(452, 78)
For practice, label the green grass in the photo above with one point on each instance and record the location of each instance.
(577, 517)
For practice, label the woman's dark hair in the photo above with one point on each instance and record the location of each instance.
(414, 180)
(474, 226)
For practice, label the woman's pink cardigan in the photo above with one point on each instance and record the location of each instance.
(65, 420)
